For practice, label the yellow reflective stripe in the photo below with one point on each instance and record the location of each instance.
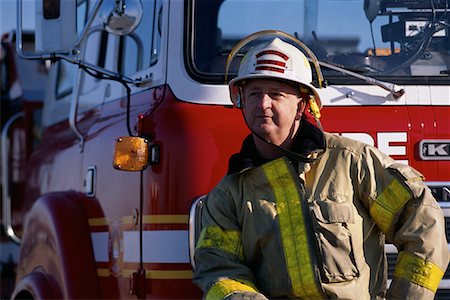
(418, 270)
(225, 240)
(224, 287)
(149, 274)
(388, 204)
(293, 229)
(168, 274)
(147, 219)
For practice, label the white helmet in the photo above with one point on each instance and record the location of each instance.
(276, 60)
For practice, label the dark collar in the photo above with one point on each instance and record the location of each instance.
(308, 140)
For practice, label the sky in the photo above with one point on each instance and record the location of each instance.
(8, 15)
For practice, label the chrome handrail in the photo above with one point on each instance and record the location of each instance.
(6, 193)
(195, 225)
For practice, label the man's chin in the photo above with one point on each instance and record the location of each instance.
(264, 135)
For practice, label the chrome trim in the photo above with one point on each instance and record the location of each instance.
(91, 181)
(74, 110)
(6, 193)
(434, 141)
(443, 285)
(390, 248)
(195, 225)
(437, 183)
(445, 185)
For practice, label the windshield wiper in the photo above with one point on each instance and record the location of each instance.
(394, 92)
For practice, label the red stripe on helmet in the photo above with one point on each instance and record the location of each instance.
(270, 62)
(267, 68)
(273, 52)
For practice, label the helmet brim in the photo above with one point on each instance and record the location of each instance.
(234, 86)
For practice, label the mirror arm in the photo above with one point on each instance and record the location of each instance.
(110, 74)
(85, 33)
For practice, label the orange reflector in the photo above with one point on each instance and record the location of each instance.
(131, 154)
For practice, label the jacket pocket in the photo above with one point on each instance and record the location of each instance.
(334, 239)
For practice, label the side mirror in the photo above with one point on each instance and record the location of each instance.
(124, 18)
(59, 22)
(371, 9)
(55, 26)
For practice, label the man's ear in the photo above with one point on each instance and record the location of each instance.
(300, 108)
(241, 97)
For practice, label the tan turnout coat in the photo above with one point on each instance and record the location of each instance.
(317, 229)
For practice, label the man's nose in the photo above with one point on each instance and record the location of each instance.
(265, 101)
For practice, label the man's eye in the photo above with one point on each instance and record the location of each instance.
(277, 95)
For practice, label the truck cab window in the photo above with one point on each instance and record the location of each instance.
(82, 11)
(396, 40)
(95, 54)
(130, 54)
(67, 71)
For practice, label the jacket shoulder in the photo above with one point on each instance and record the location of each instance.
(365, 153)
(337, 142)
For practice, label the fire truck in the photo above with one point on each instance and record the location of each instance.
(137, 126)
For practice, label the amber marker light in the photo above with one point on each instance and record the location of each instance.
(131, 154)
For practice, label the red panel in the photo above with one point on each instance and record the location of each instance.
(419, 122)
(196, 142)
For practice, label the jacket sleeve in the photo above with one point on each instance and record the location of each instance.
(404, 208)
(220, 270)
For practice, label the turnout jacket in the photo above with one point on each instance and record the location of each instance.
(313, 223)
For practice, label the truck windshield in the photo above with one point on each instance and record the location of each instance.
(405, 42)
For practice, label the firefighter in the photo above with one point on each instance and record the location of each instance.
(303, 213)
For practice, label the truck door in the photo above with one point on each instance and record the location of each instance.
(116, 222)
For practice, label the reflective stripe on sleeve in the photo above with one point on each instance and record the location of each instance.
(293, 229)
(419, 271)
(388, 204)
(225, 240)
(224, 287)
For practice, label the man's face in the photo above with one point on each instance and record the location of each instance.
(272, 108)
